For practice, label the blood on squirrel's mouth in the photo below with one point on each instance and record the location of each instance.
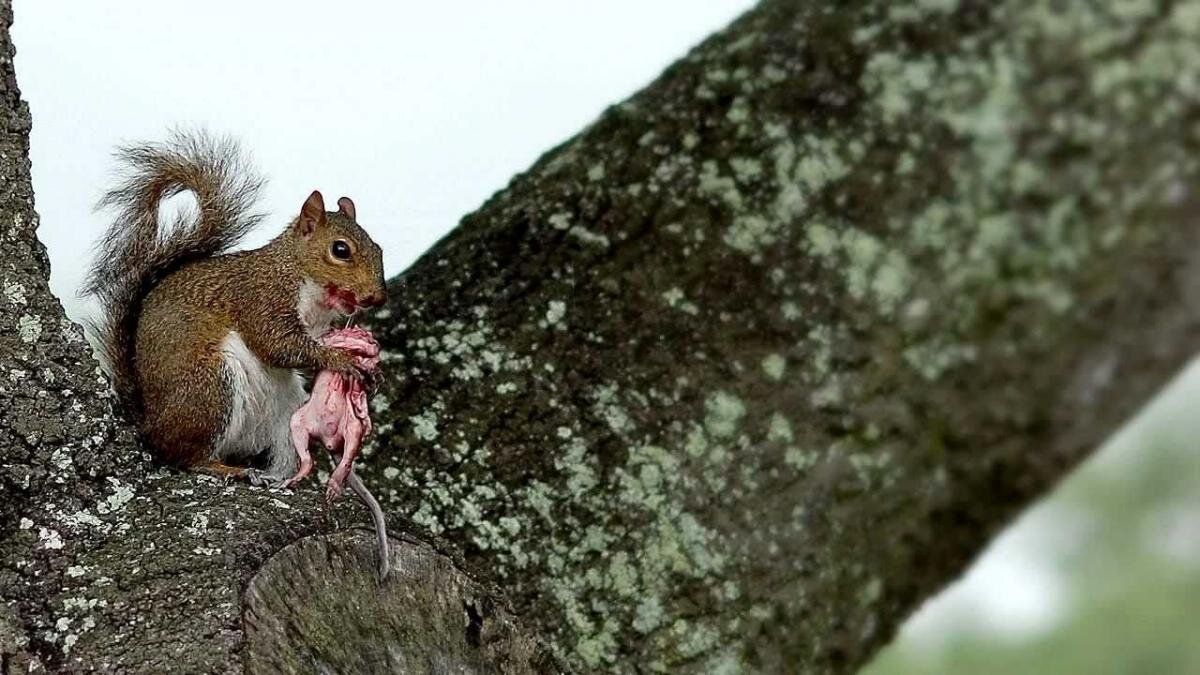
(340, 299)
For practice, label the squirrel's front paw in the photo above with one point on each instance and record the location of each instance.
(343, 364)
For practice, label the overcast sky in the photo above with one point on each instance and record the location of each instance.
(417, 110)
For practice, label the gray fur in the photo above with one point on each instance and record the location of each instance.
(136, 253)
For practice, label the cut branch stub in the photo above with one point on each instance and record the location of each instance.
(317, 607)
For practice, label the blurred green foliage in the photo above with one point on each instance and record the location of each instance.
(1130, 563)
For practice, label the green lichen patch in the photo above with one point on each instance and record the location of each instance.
(754, 286)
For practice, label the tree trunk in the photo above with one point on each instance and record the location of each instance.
(729, 382)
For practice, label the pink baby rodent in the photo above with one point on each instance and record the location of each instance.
(336, 414)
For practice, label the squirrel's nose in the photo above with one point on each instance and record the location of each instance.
(374, 299)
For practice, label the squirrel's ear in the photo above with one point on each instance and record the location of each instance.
(312, 214)
(346, 208)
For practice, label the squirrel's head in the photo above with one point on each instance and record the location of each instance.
(339, 255)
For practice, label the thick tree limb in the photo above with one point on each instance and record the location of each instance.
(761, 359)
(729, 382)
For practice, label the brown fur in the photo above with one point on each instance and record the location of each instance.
(171, 298)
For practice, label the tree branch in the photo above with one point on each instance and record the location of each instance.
(729, 382)
(761, 359)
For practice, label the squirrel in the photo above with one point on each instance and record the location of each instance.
(206, 347)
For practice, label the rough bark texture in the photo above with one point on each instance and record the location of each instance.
(729, 382)
(298, 622)
(110, 564)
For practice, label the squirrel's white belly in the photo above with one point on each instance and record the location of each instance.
(262, 401)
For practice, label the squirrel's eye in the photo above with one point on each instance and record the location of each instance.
(340, 250)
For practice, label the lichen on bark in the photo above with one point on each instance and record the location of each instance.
(753, 327)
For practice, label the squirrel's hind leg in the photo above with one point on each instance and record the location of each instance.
(209, 467)
(229, 472)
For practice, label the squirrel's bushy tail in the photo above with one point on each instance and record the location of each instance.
(136, 253)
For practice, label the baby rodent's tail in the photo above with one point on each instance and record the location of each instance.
(136, 253)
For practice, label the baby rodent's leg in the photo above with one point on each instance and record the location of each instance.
(301, 440)
(352, 434)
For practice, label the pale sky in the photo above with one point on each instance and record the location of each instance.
(419, 111)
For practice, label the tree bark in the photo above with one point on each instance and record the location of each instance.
(729, 382)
